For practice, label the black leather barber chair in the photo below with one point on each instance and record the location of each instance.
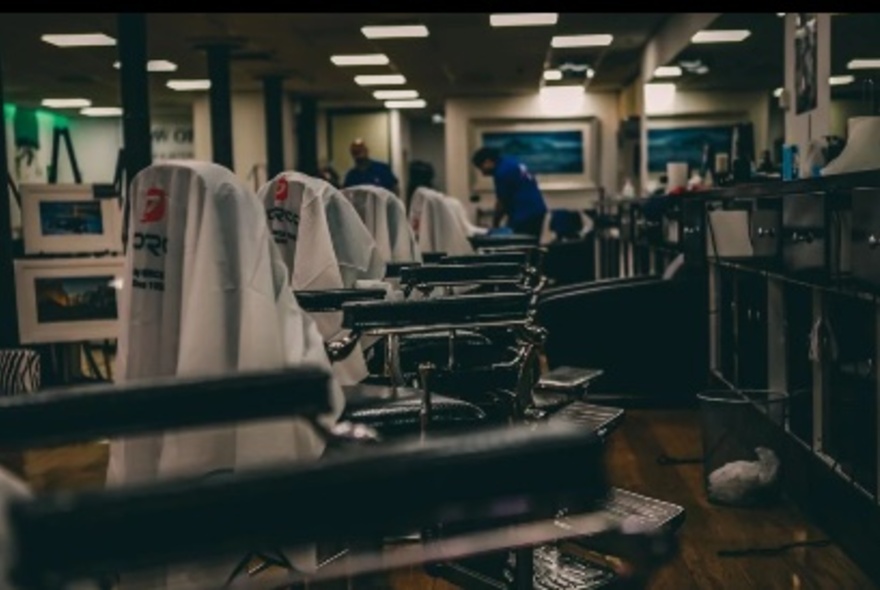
(487, 241)
(647, 334)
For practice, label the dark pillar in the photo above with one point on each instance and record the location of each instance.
(221, 105)
(273, 101)
(135, 93)
(307, 135)
(8, 310)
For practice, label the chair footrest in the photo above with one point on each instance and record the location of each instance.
(570, 380)
(601, 419)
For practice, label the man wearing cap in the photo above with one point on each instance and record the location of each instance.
(367, 170)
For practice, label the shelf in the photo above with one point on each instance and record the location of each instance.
(776, 188)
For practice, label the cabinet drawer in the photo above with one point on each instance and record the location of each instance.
(865, 247)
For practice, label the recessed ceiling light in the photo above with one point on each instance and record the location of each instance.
(101, 112)
(523, 19)
(380, 80)
(438, 119)
(841, 80)
(395, 94)
(405, 104)
(863, 64)
(552, 75)
(81, 40)
(156, 65)
(731, 36)
(395, 32)
(367, 59)
(66, 103)
(778, 92)
(185, 85)
(667, 72)
(563, 41)
(780, 14)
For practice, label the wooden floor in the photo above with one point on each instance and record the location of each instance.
(633, 450)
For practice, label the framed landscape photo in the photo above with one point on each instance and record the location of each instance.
(68, 299)
(561, 155)
(68, 219)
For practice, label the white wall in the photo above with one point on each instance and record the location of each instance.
(96, 143)
(248, 134)
(461, 113)
(429, 145)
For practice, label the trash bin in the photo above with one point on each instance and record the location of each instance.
(741, 460)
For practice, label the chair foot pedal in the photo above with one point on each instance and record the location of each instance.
(570, 380)
(600, 419)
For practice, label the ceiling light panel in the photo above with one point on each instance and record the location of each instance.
(395, 94)
(730, 36)
(552, 75)
(667, 72)
(156, 65)
(524, 19)
(405, 104)
(188, 85)
(66, 103)
(380, 80)
(863, 64)
(101, 112)
(566, 41)
(367, 59)
(841, 80)
(80, 40)
(395, 32)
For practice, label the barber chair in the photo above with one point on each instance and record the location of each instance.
(407, 485)
(481, 242)
(647, 334)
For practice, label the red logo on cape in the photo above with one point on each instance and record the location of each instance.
(154, 205)
(281, 189)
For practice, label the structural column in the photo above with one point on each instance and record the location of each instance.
(8, 311)
(221, 104)
(135, 93)
(307, 135)
(273, 102)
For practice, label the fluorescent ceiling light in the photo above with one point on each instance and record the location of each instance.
(405, 104)
(83, 40)
(184, 85)
(101, 112)
(778, 92)
(780, 14)
(841, 80)
(438, 119)
(523, 19)
(395, 94)
(564, 41)
(552, 75)
(380, 80)
(395, 32)
(590, 73)
(667, 72)
(863, 64)
(731, 36)
(156, 65)
(66, 103)
(702, 69)
(367, 59)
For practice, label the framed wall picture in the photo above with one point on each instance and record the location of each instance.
(68, 219)
(68, 299)
(563, 155)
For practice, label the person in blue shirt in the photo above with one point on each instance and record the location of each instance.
(516, 190)
(368, 171)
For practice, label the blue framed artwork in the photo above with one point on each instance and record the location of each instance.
(544, 152)
(685, 144)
